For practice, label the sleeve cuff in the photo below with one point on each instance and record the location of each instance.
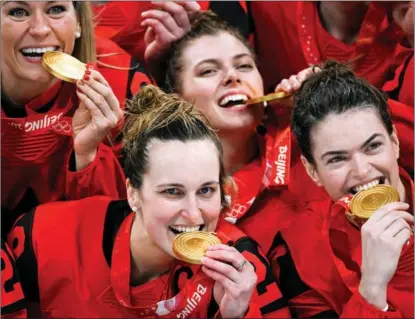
(71, 164)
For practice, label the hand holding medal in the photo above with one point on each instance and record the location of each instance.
(385, 232)
(99, 110)
(234, 276)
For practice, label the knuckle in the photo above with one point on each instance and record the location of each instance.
(101, 100)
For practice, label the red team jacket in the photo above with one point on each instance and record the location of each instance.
(121, 21)
(74, 258)
(13, 304)
(299, 40)
(324, 250)
(36, 149)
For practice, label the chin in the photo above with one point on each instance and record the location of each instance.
(41, 77)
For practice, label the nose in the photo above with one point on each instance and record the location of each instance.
(39, 24)
(232, 76)
(361, 167)
(192, 212)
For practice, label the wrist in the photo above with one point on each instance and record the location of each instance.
(84, 159)
(374, 294)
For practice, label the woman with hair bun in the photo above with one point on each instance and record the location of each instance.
(116, 259)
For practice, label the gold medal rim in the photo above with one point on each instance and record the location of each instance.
(269, 97)
(196, 234)
(55, 71)
(355, 207)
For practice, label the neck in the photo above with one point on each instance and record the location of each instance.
(143, 267)
(32, 89)
(343, 19)
(238, 151)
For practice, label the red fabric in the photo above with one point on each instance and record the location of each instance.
(270, 208)
(120, 21)
(329, 261)
(79, 274)
(289, 37)
(401, 85)
(403, 119)
(13, 304)
(37, 161)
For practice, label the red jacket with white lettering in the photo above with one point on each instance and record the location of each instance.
(265, 204)
(324, 250)
(36, 162)
(84, 248)
(289, 37)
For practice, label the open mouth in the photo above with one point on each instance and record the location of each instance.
(185, 229)
(378, 181)
(233, 100)
(36, 53)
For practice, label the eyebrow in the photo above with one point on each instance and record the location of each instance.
(236, 57)
(181, 185)
(19, 2)
(342, 152)
(23, 2)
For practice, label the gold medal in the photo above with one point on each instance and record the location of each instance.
(191, 246)
(368, 201)
(273, 97)
(63, 66)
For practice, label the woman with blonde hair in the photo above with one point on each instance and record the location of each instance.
(119, 262)
(52, 131)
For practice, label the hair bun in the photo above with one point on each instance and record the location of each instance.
(152, 109)
(336, 69)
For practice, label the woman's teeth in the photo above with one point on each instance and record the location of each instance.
(186, 229)
(233, 98)
(366, 186)
(38, 51)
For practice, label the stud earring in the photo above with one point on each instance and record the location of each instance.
(77, 34)
(135, 209)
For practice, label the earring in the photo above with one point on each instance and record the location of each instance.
(77, 34)
(135, 209)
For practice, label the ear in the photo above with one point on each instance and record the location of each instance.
(395, 142)
(132, 194)
(311, 171)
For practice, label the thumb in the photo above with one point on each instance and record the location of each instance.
(149, 35)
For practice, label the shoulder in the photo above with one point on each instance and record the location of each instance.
(66, 215)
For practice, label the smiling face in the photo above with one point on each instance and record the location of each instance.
(180, 190)
(219, 74)
(28, 29)
(353, 151)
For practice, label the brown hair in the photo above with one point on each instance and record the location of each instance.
(202, 24)
(84, 49)
(152, 114)
(333, 90)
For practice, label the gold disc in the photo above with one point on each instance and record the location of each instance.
(270, 97)
(63, 66)
(368, 201)
(191, 246)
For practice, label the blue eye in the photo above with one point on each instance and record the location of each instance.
(172, 191)
(206, 191)
(56, 10)
(18, 13)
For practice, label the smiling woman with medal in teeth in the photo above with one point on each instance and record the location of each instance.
(52, 131)
(361, 257)
(166, 251)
